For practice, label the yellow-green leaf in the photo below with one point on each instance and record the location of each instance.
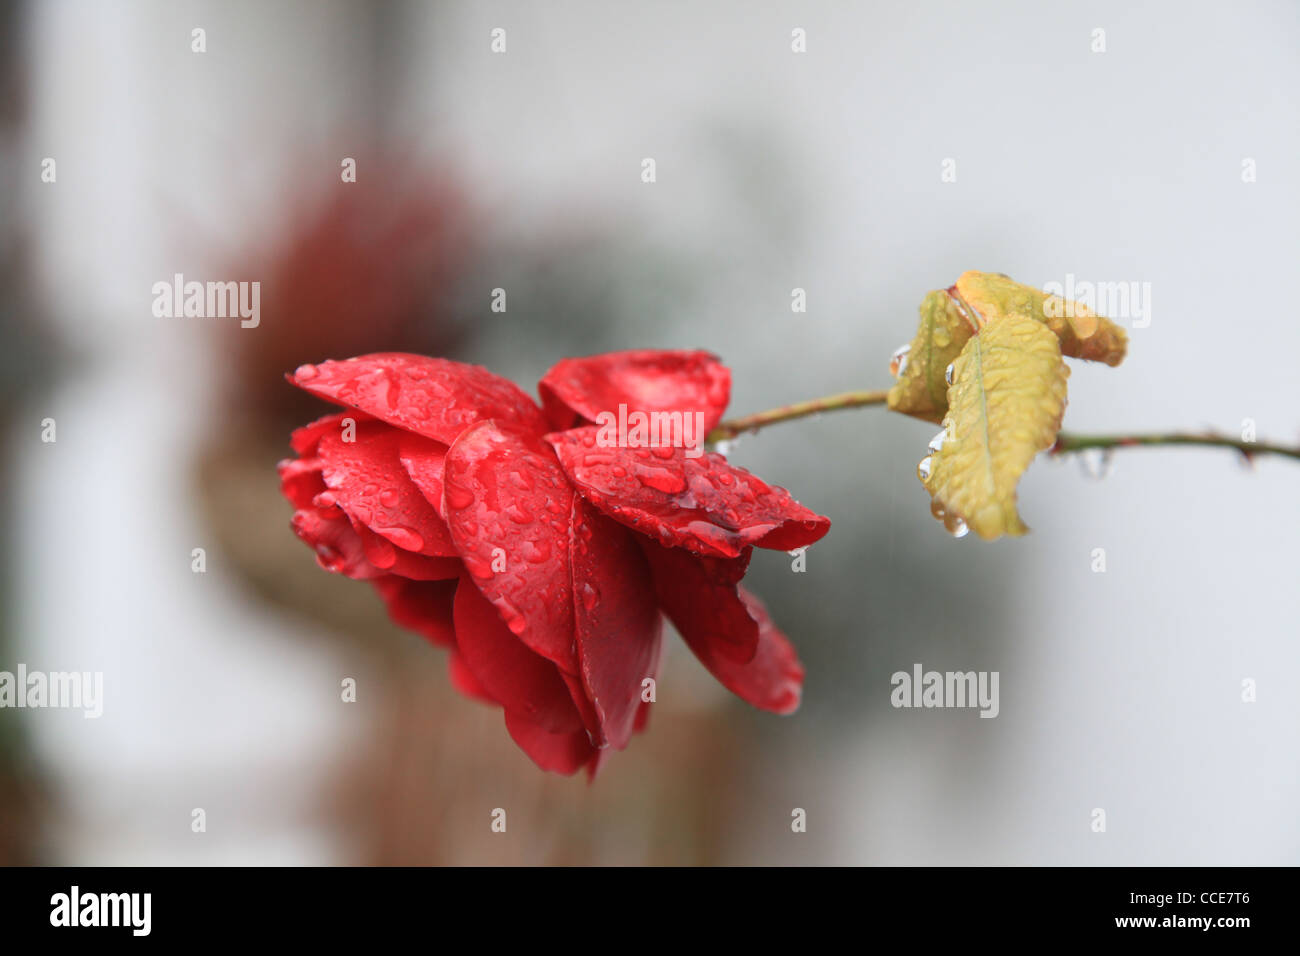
(1004, 407)
(1083, 333)
(921, 389)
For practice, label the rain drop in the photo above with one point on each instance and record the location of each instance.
(898, 361)
(956, 526)
(949, 373)
(458, 497)
(936, 443)
(305, 373)
(923, 469)
(388, 497)
(1096, 462)
(404, 538)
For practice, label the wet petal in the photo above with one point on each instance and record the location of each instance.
(422, 606)
(525, 683)
(616, 619)
(305, 439)
(561, 752)
(699, 503)
(508, 507)
(367, 480)
(649, 380)
(391, 559)
(301, 480)
(773, 680)
(433, 397)
(700, 597)
(463, 679)
(423, 460)
(337, 546)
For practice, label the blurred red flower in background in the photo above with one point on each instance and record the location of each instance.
(535, 550)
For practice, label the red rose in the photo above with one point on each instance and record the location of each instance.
(539, 545)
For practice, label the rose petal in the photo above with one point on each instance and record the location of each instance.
(643, 709)
(368, 481)
(697, 601)
(422, 606)
(508, 507)
(773, 680)
(526, 684)
(301, 480)
(702, 504)
(647, 380)
(433, 397)
(423, 460)
(338, 548)
(616, 619)
(305, 439)
(562, 752)
(700, 597)
(391, 559)
(463, 679)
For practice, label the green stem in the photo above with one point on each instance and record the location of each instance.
(1065, 441)
(786, 413)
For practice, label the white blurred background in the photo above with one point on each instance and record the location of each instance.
(775, 170)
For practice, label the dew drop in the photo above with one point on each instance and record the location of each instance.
(590, 596)
(388, 497)
(956, 526)
(1097, 463)
(404, 538)
(936, 443)
(661, 479)
(305, 373)
(898, 361)
(723, 448)
(518, 513)
(923, 469)
(949, 373)
(329, 559)
(458, 497)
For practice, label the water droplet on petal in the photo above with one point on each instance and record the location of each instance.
(388, 497)
(458, 497)
(404, 538)
(936, 443)
(956, 526)
(936, 508)
(330, 559)
(723, 448)
(661, 479)
(898, 361)
(305, 373)
(949, 373)
(1096, 463)
(517, 513)
(923, 469)
(590, 596)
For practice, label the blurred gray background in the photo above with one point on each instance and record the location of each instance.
(775, 170)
